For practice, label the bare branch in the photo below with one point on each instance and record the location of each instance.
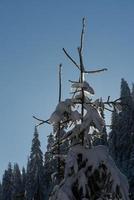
(118, 99)
(95, 71)
(41, 121)
(111, 102)
(73, 61)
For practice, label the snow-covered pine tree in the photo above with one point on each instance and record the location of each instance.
(17, 191)
(90, 172)
(7, 183)
(35, 182)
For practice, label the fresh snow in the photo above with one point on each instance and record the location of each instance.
(93, 157)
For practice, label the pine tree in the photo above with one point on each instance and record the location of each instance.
(7, 184)
(114, 138)
(17, 191)
(121, 137)
(34, 182)
(125, 95)
(50, 167)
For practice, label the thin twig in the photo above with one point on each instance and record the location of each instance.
(73, 81)
(73, 61)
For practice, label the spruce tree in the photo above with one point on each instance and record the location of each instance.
(50, 167)
(114, 138)
(121, 137)
(7, 183)
(17, 191)
(34, 182)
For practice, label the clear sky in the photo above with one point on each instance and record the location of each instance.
(32, 34)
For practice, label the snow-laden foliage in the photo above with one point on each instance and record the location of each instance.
(67, 114)
(91, 174)
(85, 85)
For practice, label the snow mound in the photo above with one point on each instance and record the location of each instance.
(91, 174)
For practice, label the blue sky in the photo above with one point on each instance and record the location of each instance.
(32, 35)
